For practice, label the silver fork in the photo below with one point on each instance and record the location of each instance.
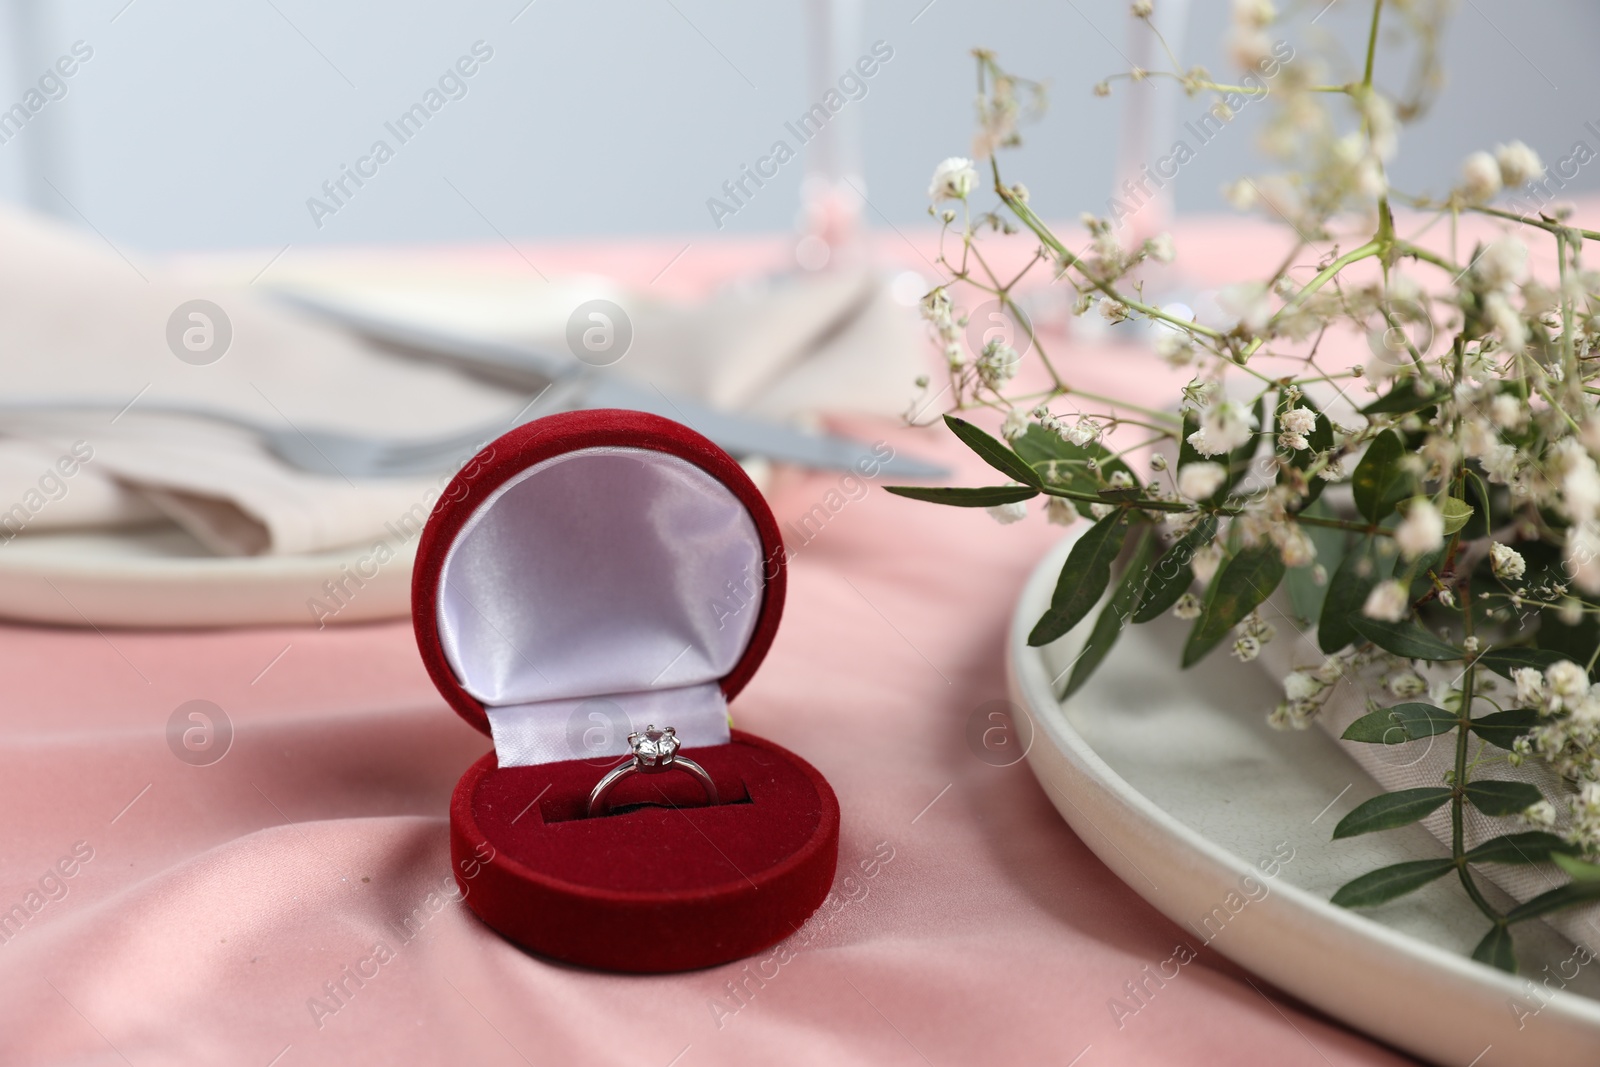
(334, 452)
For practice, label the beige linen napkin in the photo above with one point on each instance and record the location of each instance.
(82, 323)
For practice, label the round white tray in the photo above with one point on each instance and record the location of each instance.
(1176, 782)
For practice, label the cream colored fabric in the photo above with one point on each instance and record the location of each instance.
(78, 321)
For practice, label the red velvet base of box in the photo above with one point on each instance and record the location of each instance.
(665, 883)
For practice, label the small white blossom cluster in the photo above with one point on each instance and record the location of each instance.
(1484, 175)
(1568, 734)
(1250, 634)
(1568, 739)
(1306, 690)
(1224, 426)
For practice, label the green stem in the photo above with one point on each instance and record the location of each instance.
(1041, 231)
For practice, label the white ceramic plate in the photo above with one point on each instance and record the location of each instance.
(1176, 782)
(159, 576)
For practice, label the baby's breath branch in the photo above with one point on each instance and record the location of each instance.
(1040, 230)
(1366, 251)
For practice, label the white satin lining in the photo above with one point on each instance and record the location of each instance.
(621, 576)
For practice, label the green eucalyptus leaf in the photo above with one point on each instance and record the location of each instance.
(1064, 465)
(1401, 723)
(1502, 728)
(1457, 513)
(1306, 594)
(993, 452)
(1494, 797)
(1579, 870)
(1084, 578)
(1400, 400)
(985, 497)
(1570, 895)
(1389, 810)
(1505, 660)
(1238, 587)
(1108, 624)
(1172, 574)
(1497, 950)
(1531, 846)
(1387, 883)
(1404, 639)
(1347, 592)
(1381, 479)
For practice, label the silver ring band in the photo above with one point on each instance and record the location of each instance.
(654, 751)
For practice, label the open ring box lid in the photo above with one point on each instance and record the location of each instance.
(586, 574)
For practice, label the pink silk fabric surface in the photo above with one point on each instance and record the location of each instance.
(293, 903)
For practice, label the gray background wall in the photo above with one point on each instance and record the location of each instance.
(200, 124)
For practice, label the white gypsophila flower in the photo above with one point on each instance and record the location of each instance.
(1175, 348)
(1541, 814)
(1302, 685)
(1383, 126)
(1187, 607)
(1198, 481)
(1100, 511)
(1248, 48)
(1518, 163)
(1505, 320)
(1059, 512)
(1506, 561)
(1580, 480)
(1480, 178)
(1421, 531)
(1407, 684)
(1570, 611)
(1508, 412)
(1224, 426)
(1368, 179)
(1501, 463)
(1530, 685)
(1248, 302)
(1205, 561)
(1254, 13)
(1160, 248)
(1015, 426)
(953, 179)
(1083, 431)
(1565, 685)
(1006, 514)
(1502, 263)
(1583, 556)
(1142, 9)
(998, 364)
(1387, 601)
(1246, 648)
(1113, 311)
(1294, 545)
(1241, 195)
(1299, 420)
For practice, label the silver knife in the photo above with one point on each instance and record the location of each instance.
(526, 367)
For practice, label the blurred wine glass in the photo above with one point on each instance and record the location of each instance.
(833, 189)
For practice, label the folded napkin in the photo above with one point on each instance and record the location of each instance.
(84, 326)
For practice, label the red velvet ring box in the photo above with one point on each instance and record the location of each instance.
(585, 575)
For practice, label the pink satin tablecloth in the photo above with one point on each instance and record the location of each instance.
(292, 903)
